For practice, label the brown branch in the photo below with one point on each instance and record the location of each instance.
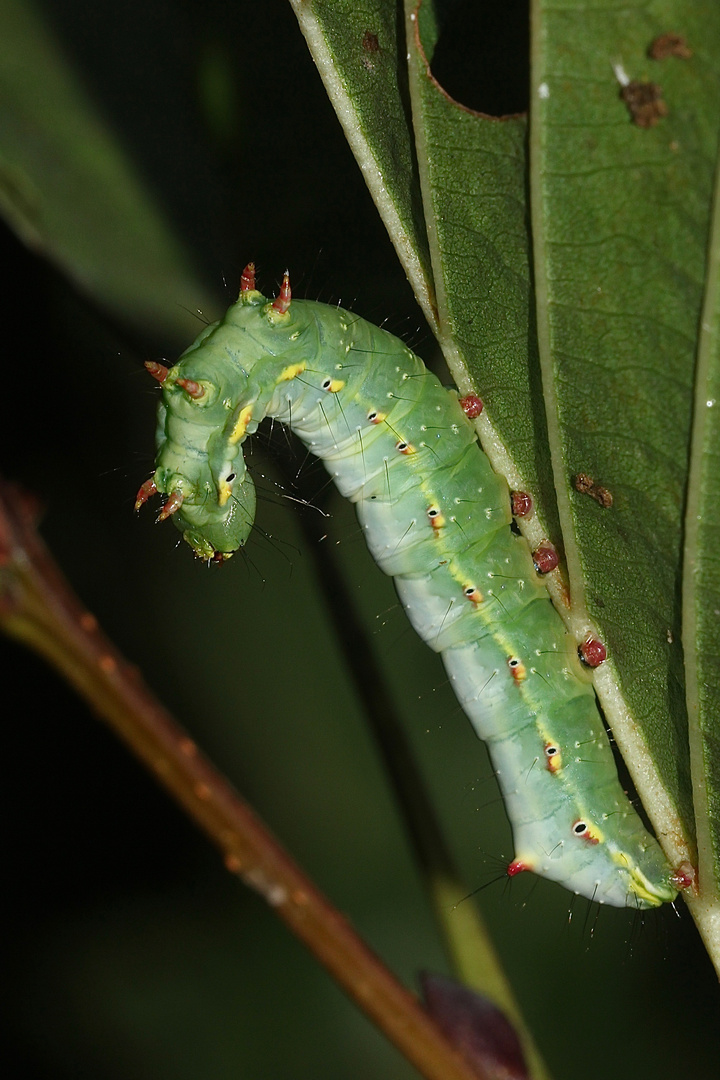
(38, 608)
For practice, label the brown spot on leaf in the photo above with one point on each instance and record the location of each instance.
(587, 486)
(370, 45)
(645, 103)
(669, 45)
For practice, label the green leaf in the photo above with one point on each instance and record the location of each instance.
(360, 57)
(72, 194)
(701, 597)
(620, 219)
(473, 172)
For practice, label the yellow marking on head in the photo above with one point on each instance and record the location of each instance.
(224, 492)
(241, 425)
(292, 371)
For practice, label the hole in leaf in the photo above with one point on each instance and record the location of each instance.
(482, 57)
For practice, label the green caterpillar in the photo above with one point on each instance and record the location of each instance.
(437, 518)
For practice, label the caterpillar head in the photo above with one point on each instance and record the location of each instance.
(210, 495)
(202, 423)
(213, 529)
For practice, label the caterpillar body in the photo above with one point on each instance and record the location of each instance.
(437, 518)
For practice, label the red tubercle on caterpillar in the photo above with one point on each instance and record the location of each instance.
(281, 303)
(158, 371)
(684, 876)
(521, 503)
(516, 867)
(172, 505)
(545, 557)
(471, 405)
(146, 491)
(592, 653)
(247, 280)
(192, 389)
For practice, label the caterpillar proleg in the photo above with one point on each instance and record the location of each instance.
(437, 518)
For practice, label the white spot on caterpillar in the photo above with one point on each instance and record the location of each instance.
(543, 91)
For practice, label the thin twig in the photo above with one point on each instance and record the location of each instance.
(38, 608)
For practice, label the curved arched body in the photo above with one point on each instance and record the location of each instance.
(437, 518)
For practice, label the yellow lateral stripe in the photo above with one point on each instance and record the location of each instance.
(241, 424)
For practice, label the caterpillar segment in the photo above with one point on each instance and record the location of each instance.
(437, 519)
